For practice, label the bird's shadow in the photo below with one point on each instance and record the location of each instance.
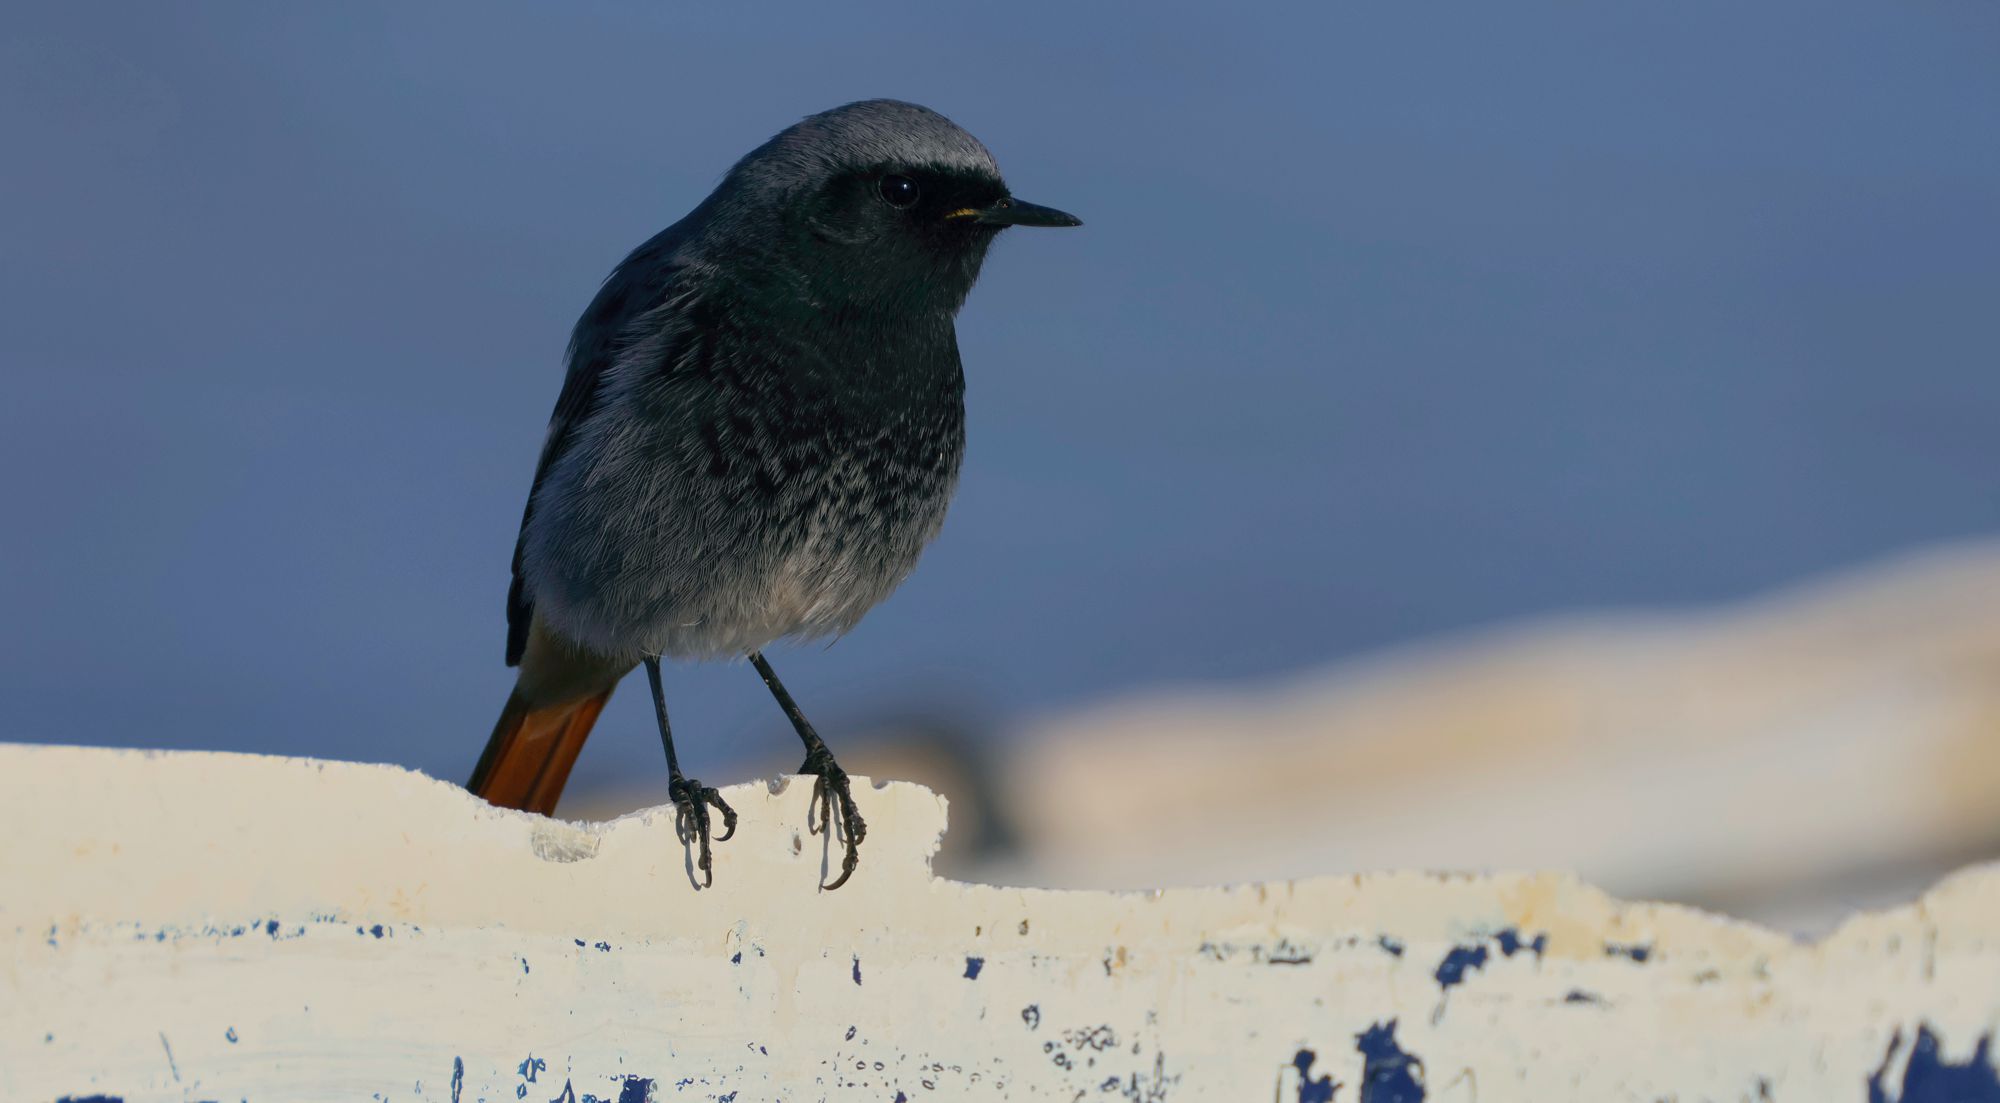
(688, 847)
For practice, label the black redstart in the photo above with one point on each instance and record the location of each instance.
(760, 429)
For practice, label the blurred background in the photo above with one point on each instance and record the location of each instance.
(1494, 435)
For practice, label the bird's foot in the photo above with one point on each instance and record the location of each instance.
(831, 789)
(691, 820)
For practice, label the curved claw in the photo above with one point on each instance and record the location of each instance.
(728, 816)
(831, 787)
(691, 821)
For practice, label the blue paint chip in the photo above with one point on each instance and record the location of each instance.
(1578, 995)
(376, 930)
(1386, 1071)
(1312, 1090)
(230, 1035)
(972, 967)
(636, 1089)
(1929, 1078)
(736, 958)
(1390, 946)
(857, 968)
(91, 1099)
(1461, 960)
(1511, 943)
(457, 1078)
(1638, 952)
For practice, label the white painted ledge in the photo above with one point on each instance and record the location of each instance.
(217, 927)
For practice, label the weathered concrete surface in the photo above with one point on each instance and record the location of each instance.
(195, 927)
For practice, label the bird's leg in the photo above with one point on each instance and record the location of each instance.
(830, 785)
(691, 798)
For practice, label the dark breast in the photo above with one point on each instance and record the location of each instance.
(823, 465)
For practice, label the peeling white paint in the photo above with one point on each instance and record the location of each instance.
(199, 926)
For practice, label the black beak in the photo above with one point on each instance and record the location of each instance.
(1008, 211)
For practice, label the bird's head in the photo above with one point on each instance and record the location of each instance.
(878, 205)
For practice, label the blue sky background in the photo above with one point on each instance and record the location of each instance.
(1388, 320)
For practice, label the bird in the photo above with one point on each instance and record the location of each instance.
(760, 427)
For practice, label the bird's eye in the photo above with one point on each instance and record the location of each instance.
(900, 191)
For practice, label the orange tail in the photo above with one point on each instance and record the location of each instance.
(532, 749)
